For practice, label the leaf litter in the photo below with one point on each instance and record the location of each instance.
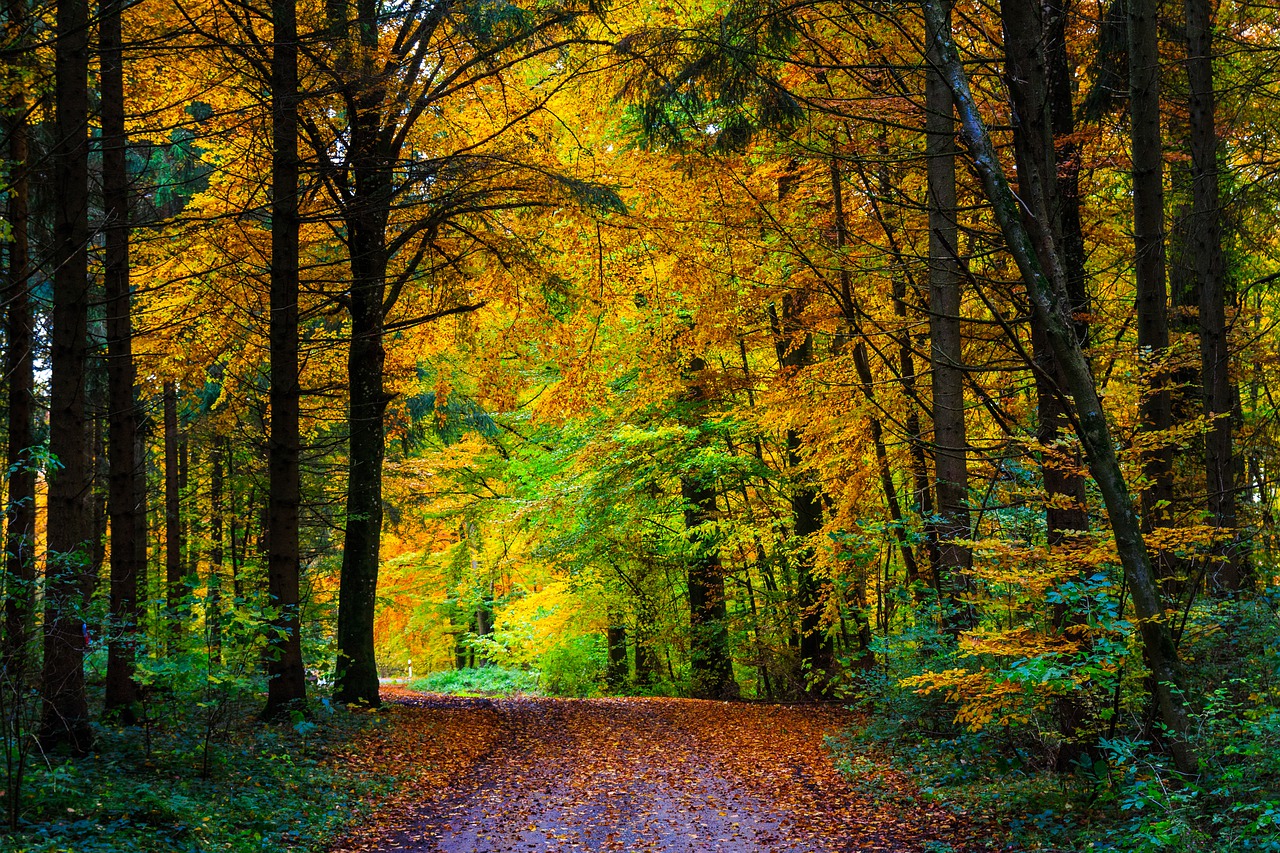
(526, 774)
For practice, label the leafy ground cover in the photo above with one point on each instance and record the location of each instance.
(1122, 795)
(266, 788)
(480, 681)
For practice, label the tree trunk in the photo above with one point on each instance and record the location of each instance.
(173, 569)
(1149, 261)
(20, 509)
(616, 640)
(1035, 63)
(286, 686)
(794, 348)
(1206, 242)
(1040, 266)
(950, 441)
(710, 667)
(65, 717)
(217, 525)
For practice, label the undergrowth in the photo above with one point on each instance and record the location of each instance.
(267, 788)
(1121, 797)
(480, 681)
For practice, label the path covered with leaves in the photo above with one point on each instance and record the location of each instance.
(535, 774)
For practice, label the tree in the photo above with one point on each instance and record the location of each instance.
(127, 517)
(20, 508)
(65, 718)
(287, 686)
(1040, 266)
(1219, 393)
(950, 441)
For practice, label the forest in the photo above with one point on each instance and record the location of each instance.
(913, 358)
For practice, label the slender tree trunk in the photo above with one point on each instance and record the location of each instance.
(794, 348)
(20, 509)
(173, 569)
(286, 686)
(710, 667)
(1035, 63)
(1206, 241)
(217, 524)
(950, 454)
(1040, 266)
(616, 638)
(1149, 260)
(65, 718)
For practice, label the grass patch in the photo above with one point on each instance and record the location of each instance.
(482, 681)
(269, 789)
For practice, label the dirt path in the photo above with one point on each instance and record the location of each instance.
(636, 775)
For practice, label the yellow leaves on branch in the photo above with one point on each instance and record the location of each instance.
(984, 697)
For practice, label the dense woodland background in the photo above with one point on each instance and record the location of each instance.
(904, 355)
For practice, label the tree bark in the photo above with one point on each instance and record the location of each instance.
(710, 666)
(173, 569)
(357, 677)
(286, 685)
(1040, 266)
(794, 348)
(20, 508)
(217, 552)
(950, 441)
(1035, 52)
(65, 718)
(1206, 241)
(1151, 299)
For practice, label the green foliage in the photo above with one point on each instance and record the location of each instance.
(480, 681)
(273, 789)
(576, 666)
(1123, 797)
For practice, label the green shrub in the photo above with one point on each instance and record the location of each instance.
(481, 681)
(576, 667)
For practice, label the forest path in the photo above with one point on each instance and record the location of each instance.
(536, 774)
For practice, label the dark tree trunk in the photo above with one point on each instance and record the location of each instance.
(1041, 268)
(20, 510)
(286, 686)
(65, 717)
(950, 441)
(794, 348)
(1149, 260)
(710, 667)
(1035, 65)
(217, 525)
(366, 214)
(173, 569)
(1206, 243)
(616, 638)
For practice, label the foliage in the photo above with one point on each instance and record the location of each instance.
(1124, 797)
(481, 681)
(269, 789)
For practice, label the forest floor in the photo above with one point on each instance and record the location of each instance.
(537, 774)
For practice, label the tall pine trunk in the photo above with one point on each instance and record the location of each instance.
(65, 718)
(1206, 242)
(357, 678)
(1151, 290)
(710, 667)
(173, 568)
(20, 509)
(1036, 68)
(128, 523)
(950, 441)
(286, 685)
